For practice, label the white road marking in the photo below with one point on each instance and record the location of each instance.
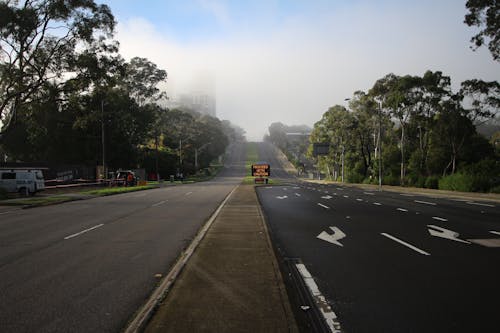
(445, 233)
(296, 187)
(402, 210)
(326, 207)
(439, 218)
(479, 204)
(414, 248)
(369, 193)
(359, 199)
(332, 238)
(339, 189)
(158, 203)
(189, 193)
(297, 194)
(425, 202)
(7, 212)
(346, 196)
(281, 198)
(377, 203)
(83, 231)
(326, 192)
(320, 300)
(495, 232)
(327, 197)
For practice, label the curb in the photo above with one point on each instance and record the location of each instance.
(142, 317)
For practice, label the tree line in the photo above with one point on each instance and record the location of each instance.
(418, 130)
(68, 97)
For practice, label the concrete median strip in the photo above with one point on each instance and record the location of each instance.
(142, 317)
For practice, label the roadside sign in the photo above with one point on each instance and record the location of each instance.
(261, 170)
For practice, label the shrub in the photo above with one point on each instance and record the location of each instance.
(391, 180)
(355, 177)
(431, 182)
(457, 182)
(495, 189)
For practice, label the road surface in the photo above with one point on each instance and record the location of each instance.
(87, 266)
(389, 262)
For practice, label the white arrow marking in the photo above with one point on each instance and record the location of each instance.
(281, 198)
(327, 197)
(445, 233)
(332, 238)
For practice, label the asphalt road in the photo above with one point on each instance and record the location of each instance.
(391, 262)
(87, 266)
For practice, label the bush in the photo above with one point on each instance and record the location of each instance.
(391, 180)
(495, 189)
(354, 177)
(457, 182)
(431, 182)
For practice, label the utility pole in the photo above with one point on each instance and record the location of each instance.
(379, 147)
(103, 142)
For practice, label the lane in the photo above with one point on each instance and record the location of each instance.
(96, 279)
(390, 262)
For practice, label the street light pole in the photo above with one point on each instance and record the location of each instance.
(379, 147)
(103, 141)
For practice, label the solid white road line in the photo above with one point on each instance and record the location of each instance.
(479, 204)
(320, 300)
(402, 210)
(495, 232)
(158, 203)
(83, 231)
(377, 203)
(405, 244)
(326, 207)
(425, 202)
(439, 218)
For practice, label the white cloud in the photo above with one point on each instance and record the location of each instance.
(294, 72)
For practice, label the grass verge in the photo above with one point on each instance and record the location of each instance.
(37, 201)
(117, 190)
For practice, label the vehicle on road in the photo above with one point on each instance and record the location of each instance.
(22, 180)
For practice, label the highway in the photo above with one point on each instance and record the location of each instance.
(87, 266)
(385, 261)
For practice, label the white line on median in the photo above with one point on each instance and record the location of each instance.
(405, 244)
(83, 231)
(479, 204)
(425, 202)
(158, 203)
(320, 300)
(439, 218)
(402, 210)
(326, 207)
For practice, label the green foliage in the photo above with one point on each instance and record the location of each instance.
(3, 193)
(485, 14)
(457, 182)
(431, 182)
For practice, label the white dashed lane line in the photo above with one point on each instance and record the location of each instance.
(440, 219)
(368, 193)
(414, 248)
(479, 204)
(425, 202)
(377, 203)
(83, 231)
(158, 203)
(359, 200)
(189, 193)
(402, 210)
(297, 194)
(321, 205)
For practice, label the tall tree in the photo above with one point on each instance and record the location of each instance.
(485, 14)
(39, 41)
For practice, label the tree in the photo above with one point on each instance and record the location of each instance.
(40, 41)
(485, 14)
(142, 78)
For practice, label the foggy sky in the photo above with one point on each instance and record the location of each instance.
(290, 67)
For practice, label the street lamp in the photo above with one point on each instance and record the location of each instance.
(379, 146)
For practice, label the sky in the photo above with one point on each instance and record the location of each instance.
(289, 61)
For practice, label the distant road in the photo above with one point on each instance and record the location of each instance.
(391, 262)
(87, 266)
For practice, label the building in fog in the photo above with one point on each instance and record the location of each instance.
(199, 102)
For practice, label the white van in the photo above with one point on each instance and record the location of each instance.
(24, 181)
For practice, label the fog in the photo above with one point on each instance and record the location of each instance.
(264, 69)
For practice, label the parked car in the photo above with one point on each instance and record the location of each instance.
(22, 180)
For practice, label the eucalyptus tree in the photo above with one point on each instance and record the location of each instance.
(485, 15)
(40, 41)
